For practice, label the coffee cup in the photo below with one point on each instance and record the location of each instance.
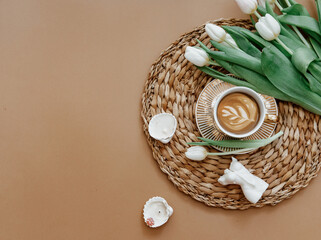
(239, 112)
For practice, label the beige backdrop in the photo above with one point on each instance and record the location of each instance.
(74, 163)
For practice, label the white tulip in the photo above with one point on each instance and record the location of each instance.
(262, 2)
(247, 6)
(268, 27)
(215, 32)
(197, 56)
(196, 153)
(229, 41)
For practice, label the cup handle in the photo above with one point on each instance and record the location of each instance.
(271, 118)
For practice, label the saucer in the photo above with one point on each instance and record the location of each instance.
(205, 118)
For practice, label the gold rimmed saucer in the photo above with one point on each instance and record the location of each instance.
(205, 118)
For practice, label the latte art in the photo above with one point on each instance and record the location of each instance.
(238, 113)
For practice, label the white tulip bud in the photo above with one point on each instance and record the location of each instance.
(215, 32)
(247, 6)
(197, 56)
(196, 153)
(229, 41)
(268, 27)
(271, 2)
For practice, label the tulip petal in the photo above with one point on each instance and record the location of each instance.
(196, 56)
(196, 153)
(215, 32)
(273, 25)
(264, 31)
(247, 6)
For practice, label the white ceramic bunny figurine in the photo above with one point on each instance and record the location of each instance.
(252, 186)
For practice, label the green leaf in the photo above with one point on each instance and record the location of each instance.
(233, 55)
(292, 44)
(256, 39)
(198, 143)
(227, 66)
(315, 66)
(304, 22)
(314, 35)
(278, 68)
(288, 32)
(315, 85)
(296, 9)
(216, 74)
(315, 70)
(243, 43)
(237, 143)
(316, 46)
(281, 48)
(318, 3)
(236, 28)
(302, 57)
(262, 83)
(284, 76)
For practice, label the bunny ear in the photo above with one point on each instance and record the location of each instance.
(235, 165)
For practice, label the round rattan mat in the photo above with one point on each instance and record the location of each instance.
(288, 164)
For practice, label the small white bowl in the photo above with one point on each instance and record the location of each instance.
(156, 212)
(162, 127)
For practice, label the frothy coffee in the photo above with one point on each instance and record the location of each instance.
(238, 113)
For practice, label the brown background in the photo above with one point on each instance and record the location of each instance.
(74, 162)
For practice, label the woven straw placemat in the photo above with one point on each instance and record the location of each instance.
(288, 164)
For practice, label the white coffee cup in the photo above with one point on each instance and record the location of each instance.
(262, 108)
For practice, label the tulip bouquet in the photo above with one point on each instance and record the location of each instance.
(281, 59)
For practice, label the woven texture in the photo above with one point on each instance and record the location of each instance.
(288, 164)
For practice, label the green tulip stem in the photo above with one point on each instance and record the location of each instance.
(214, 63)
(284, 46)
(288, 3)
(239, 151)
(257, 14)
(278, 5)
(301, 36)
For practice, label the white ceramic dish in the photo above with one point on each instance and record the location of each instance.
(156, 212)
(205, 116)
(162, 127)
